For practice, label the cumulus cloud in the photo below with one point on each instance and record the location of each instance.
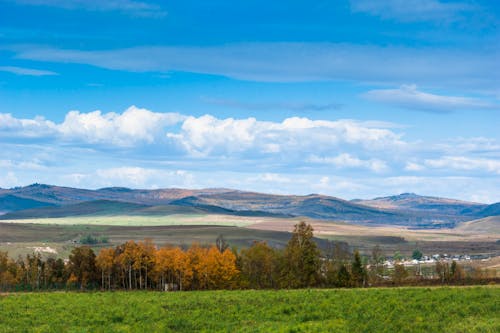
(206, 135)
(37, 127)
(345, 160)
(409, 97)
(133, 126)
(412, 10)
(26, 71)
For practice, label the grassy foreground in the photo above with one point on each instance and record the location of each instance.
(474, 309)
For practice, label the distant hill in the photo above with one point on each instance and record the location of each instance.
(414, 202)
(9, 202)
(96, 207)
(487, 225)
(39, 200)
(59, 195)
(490, 210)
(314, 206)
(114, 208)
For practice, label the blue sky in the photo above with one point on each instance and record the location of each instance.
(351, 98)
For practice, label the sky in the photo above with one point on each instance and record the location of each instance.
(349, 98)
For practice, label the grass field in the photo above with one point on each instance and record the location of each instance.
(474, 309)
(135, 221)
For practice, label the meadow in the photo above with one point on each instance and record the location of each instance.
(138, 220)
(443, 309)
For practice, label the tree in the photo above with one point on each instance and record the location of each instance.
(127, 258)
(376, 264)
(343, 277)
(456, 271)
(82, 266)
(221, 243)
(358, 271)
(302, 258)
(400, 274)
(105, 261)
(258, 265)
(417, 254)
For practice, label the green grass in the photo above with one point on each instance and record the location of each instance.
(130, 220)
(370, 310)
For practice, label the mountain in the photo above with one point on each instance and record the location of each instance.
(87, 208)
(406, 209)
(59, 195)
(115, 208)
(417, 203)
(313, 206)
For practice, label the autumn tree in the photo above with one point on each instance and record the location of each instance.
(105, 262)
(126, 259)
(82, 266)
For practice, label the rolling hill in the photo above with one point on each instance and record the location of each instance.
(417, 203)
(9, 203)
(407, 209)
(489, 225)
(86, 208)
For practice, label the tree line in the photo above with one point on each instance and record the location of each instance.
(143, 266)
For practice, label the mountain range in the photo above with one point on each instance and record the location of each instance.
(407, 209)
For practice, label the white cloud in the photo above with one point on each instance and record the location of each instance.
(207, 135)
(409, 97)
(132, 126)
(130, 176)
(348, 161)
(37, 127)
(476, 145)
(26, 71)
(465, 163)
(412, 10)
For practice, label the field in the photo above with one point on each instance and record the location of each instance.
(134, 221)
(472, 309)
(19, 237)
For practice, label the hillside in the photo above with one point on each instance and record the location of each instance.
(96, 207)
(414, 202)
(487, 225)
(9, 203)
(314, 206)
(121, 208)
(405, 209)
(60, 195)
